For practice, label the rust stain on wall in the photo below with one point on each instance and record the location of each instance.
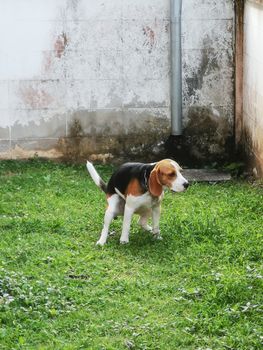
(61, 44)
(47, 61)
(150, 37)
(35, 98)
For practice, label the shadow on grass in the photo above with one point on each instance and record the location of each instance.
(180, 238)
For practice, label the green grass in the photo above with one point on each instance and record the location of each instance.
(199, 288)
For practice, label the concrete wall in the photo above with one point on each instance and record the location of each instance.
(208, 77)
(83, 78)
(253, 84)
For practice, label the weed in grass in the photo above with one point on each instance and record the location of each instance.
(199, 288)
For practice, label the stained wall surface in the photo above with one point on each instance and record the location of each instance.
(84, 78)
(253, 84)
(208, 77)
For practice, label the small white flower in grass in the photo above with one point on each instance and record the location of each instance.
(248, 307)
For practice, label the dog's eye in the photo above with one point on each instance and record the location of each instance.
(171, 174)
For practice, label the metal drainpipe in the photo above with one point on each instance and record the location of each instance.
(176, 67)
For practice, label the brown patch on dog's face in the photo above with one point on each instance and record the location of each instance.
(163, 174)
(169, 175)
(166, 172)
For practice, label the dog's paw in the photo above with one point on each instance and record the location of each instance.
(147, 228)
(157, 236)
(101, 243)
(124, 241)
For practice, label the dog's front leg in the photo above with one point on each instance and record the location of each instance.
(156, 212)
(128, 212)
(143, 221)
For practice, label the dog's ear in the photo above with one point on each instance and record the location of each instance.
(155, 187)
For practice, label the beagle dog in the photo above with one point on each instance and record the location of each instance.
(138, 188)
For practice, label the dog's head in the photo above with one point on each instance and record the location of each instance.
(167, 173)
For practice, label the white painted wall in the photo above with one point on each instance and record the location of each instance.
(116, 58)
(103, 61)
(253, 81)
(208, 50)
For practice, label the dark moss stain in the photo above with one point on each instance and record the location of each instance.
(202, 121)
(141, 137)
(75, 128)
(209, 63)
(130, 147)
(206, 139)
(108, 137)
(71, 145)
(251, 151)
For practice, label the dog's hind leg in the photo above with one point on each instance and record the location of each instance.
(111, 212)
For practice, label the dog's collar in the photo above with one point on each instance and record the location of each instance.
(145, 180)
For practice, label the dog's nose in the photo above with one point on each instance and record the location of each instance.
(186, 185)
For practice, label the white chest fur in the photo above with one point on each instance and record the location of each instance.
(143, 202)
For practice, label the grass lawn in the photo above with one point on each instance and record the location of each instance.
(199, 288)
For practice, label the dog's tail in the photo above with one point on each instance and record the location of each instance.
(96, 178)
